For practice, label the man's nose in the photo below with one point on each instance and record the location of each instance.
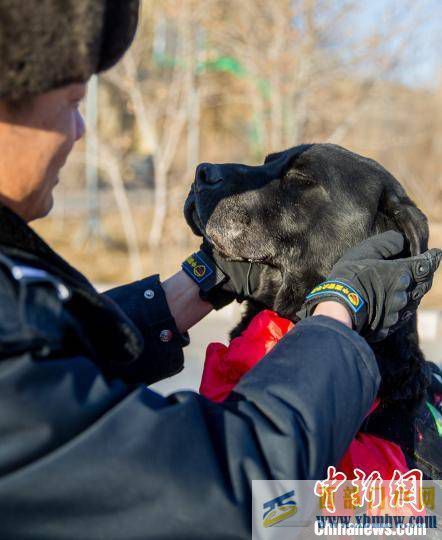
(80, 126)
(208, 175)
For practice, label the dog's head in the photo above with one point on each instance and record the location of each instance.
(298, 213)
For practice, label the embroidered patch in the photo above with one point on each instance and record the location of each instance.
(197, 268)
(338, 288)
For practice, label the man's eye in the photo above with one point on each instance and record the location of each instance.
(77, 103)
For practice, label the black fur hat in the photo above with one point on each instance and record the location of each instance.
(45, 44)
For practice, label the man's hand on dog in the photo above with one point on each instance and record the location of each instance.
(222, 281)
(380, 292)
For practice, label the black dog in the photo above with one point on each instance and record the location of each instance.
(297, 214)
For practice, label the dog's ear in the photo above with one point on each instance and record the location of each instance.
(273, 157)
(399, 357)
(398, 208)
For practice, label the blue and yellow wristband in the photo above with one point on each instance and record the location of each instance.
(337, 291)
(206, 274)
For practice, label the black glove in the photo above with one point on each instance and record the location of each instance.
(379, 294)
(222, 281)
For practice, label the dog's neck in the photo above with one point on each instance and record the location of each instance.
(399, 358)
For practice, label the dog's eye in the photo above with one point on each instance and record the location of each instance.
(294, 176)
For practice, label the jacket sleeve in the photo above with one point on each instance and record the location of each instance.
(144, 302)
(119, 464)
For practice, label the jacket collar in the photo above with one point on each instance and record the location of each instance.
(20, 240)
(115, 341)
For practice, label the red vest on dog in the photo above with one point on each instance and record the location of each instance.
(224, 367)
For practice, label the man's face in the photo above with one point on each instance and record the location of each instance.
(35, 141)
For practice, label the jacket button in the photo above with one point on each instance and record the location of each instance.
(44, 352)
(149, 294)
(423, 268)
(166, 336)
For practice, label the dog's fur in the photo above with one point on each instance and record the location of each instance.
(297, 214)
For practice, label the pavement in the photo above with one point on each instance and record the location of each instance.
(217, 326)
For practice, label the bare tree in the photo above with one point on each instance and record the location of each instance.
(164, 105)
(109, 163)
(286, 71)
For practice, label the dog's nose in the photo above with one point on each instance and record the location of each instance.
(208, 174)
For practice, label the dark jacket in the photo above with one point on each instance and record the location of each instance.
(84, 455)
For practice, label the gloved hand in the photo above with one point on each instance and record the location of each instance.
(379, 294)
(222, 281)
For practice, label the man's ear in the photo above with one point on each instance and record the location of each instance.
(412, 222)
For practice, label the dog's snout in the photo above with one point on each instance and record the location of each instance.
(208, 174)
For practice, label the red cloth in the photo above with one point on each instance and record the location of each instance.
(224, 367)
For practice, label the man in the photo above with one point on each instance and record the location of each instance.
(87, 451)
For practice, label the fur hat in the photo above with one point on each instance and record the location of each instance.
(45, 44)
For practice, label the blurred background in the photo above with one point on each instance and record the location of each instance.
(233, 80)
